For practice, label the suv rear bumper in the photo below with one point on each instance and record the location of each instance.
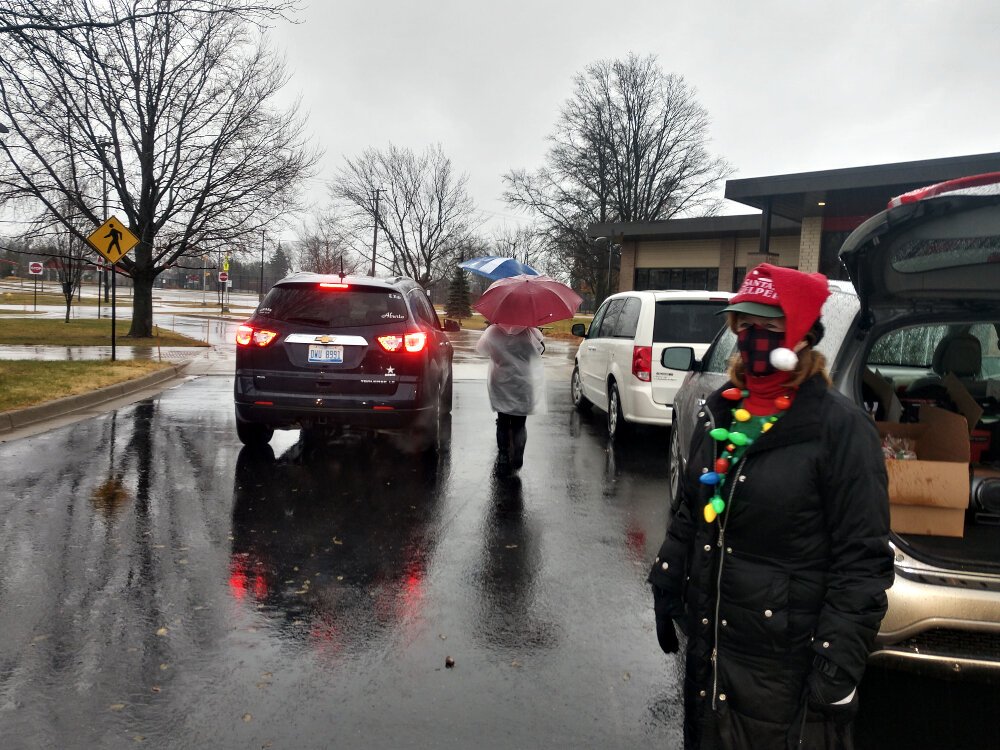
(291, 411)
(370, 415)
(941, 623)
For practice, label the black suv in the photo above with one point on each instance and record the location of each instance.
(323, 352)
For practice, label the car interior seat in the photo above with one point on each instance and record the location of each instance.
(959, 354)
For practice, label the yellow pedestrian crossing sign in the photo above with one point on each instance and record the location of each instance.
(113, 240)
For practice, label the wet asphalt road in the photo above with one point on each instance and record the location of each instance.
(160, 586)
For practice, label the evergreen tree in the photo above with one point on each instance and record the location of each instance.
(458, 305)
(279, 266)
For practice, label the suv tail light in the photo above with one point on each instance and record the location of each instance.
(411, 342)
(245, 335)
(642, 362)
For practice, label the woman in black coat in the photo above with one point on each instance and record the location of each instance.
(777, 560)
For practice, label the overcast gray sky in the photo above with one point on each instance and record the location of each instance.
(790, 86)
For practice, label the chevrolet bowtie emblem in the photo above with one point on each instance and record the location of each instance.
(324, 339)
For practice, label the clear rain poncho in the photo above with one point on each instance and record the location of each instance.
(516, 377)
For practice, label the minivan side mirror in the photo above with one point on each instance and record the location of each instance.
(679, 358)
(452, 326)
(578, 329)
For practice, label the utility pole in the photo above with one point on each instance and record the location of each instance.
(260, 290)
(378, 193)
(103, 145)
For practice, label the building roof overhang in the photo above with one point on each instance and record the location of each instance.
(853, 191)
(742, 225)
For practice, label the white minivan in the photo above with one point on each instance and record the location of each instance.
(617, 366)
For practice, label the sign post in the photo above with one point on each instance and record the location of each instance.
(223, 278)
(35, 268)
(113, 240)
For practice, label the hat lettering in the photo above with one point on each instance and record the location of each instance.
(758, 286)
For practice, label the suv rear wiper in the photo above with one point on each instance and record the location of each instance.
(311, 321)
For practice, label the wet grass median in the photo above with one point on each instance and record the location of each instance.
(30, 382)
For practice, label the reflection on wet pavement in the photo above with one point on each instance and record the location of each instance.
(159, 582)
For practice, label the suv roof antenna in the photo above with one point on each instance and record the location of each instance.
(341, 266)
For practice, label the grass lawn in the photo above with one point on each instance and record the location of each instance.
(87, 332)
(47, 298)
(28, 382)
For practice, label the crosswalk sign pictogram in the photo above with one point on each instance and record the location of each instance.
(113, 240)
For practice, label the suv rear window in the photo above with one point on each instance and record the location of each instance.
(357, 306)
(687, 322)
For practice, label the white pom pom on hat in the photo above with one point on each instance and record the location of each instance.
(783, 359)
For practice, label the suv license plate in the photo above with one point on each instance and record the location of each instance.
(333, 354)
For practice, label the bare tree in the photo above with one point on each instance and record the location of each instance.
(528, 244)
(57, 15)
(198, 157)
(423, 209)
(630, 145)
(325, 247)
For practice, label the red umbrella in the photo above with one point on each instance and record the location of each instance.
(528, 301)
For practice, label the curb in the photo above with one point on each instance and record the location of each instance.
(30, 415)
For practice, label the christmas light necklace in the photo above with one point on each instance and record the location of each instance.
(734, 442)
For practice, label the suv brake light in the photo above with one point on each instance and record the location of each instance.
(333, 285)
(411, 342)
(642, 362)
(245, 335)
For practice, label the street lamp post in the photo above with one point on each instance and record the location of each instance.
(611, 253)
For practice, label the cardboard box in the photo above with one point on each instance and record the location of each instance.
(929, 495)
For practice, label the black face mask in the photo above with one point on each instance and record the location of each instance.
(755, 345)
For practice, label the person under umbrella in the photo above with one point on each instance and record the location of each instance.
(515, 383)
(514, 344)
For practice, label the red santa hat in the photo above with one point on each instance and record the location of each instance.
(772, 291)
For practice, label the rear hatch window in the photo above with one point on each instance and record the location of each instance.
(687, 322)
(354, 307)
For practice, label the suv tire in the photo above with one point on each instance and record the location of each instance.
(251, 433)
(447, 397)
(674, 468)
(580, 402)
(617, 426)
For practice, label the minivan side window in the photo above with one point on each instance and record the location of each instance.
(607, 326)
(628, 319)
(595, 324)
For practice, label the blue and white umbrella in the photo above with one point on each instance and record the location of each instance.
(495, 268)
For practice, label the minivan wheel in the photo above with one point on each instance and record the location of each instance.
(617, 426)
(580, 402)
(251, 433)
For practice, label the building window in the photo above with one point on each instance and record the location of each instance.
(677, 278)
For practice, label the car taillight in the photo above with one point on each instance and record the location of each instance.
(411, 342)
(245, 335)
(332, 285)
(642, 362)
(415, 342)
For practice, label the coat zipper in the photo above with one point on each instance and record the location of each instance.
(718, 582)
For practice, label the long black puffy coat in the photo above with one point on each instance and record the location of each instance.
(797, 566)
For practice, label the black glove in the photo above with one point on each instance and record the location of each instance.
(826, 684)
(666, 636)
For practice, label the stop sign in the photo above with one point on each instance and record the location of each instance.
(223, 276)
(34, 268)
